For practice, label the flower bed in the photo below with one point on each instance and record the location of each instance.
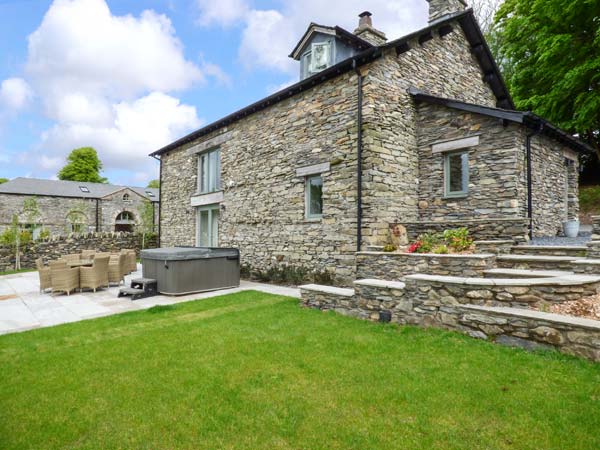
(588, 308)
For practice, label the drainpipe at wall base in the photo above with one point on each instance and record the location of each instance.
(529, 179)
(359, 149)
(159, 159)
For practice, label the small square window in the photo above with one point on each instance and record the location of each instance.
(456, 174)
(84, 189)
(314, 197)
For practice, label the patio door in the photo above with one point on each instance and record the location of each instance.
(207, 226)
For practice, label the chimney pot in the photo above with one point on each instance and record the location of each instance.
(365, 19)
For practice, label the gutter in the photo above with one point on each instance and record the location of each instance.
(529, 178)
(359, 150)
(159, 200)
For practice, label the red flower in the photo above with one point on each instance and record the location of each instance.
(414, 247)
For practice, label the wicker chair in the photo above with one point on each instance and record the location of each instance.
(88, 254)
(117, 268)
(73, 257)
(44, 273)
(58, 264)
(64, 280)
(130, 260)
(95, 276)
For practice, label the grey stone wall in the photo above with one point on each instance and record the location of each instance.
(54, 211)
(512, 228)
(503, 325)
(394, 266)
(263, 211)
(55, 247)
(555, 185)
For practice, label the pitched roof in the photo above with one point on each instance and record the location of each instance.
(339, 32)
(79, 189)
(466, 20)
(526, 118)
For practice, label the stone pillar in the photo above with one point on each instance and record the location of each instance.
(441, 8)
(594, 244)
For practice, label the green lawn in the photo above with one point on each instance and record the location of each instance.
(256, 371)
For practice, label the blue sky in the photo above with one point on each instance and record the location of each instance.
(129, 76)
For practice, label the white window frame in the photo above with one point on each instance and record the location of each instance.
(307, 197)
(213, 169)
(212, 234)
(465, 173)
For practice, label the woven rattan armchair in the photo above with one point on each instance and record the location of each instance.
(88, 254)
(64, 280)
(95, 276)
(58, 264)
(73, 257)
(117, 268)
(44, 273)
(130, 260)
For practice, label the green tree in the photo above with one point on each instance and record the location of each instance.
(17, 234)
(146, 215)
(3, 180)
(83, 164)
(549, 51)
(154, 184)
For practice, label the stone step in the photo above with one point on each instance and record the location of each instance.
(536, 262)
(549, 250)
(525, 273)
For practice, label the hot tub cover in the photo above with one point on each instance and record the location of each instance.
(189, 253)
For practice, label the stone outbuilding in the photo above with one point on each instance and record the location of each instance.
(74, 206)
(420, 131)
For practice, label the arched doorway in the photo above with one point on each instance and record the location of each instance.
(124, 222)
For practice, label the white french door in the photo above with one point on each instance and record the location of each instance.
(207, 226)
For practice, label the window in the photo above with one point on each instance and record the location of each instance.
(209, 171)
(314, 197)
(125, 197)
(84, 189)
(150, 193)
(207, 226)
(76, 222)
(320, 56)
(456, 174)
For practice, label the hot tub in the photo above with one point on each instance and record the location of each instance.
(184, 270)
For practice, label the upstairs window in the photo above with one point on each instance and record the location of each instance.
(209, 171)
(456, 174)
(125, 197)
(314, 197)
(317, 58)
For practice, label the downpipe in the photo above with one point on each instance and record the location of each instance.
(359, 150)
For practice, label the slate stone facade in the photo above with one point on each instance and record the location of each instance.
(261, 203)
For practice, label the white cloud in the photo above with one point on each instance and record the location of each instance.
(221, 12)
(138, 127)
(106, 81)
(270, 35)
(15, 94)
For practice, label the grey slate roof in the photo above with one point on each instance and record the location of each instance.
(59, 188)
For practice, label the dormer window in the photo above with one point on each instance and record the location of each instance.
(318, 58)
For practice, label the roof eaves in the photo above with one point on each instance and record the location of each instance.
(303, 85)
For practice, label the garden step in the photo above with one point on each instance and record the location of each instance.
(541, 262)
(549, 250)
(525, 273)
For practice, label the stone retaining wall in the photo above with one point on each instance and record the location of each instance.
(549, 250)
(514, 229)
(55, 247)
(495, 246)
(535, 262)
(393, 266)
(376, 300)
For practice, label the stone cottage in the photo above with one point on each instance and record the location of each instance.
(419, 131)
(74, 207)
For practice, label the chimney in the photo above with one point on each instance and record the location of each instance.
(366, 31)
(438, 9)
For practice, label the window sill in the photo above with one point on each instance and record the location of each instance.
(313, 219)
(455, 196)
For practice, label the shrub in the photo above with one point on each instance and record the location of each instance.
(441, 249)
(458, 239)
(389, 248)
(429, 241)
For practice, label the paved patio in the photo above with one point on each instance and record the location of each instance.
(23, 307)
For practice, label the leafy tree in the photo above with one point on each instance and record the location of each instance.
(17, 234)
(154, 184)
(146, 215)
(83, 164)
(549, 51)
(3, 180)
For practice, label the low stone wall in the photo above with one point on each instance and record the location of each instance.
(593, 249)
(586, 266)
(58, 246)
(536, 262)
(495, 246)
(392, 301)
(596, 228)
(549, 250)
(514, 229)
(394, 266)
